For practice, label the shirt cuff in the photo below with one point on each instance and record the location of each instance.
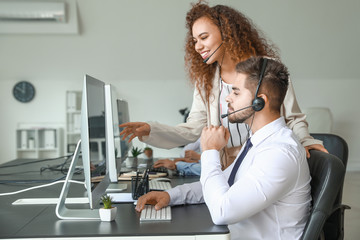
(175, 196)
(210, 157)
(210, 161)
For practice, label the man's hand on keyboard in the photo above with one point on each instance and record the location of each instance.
(167, 163)
(159, 199)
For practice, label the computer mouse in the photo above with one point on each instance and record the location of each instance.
(161, 179)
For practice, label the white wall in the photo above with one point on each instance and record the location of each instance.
(138, 47)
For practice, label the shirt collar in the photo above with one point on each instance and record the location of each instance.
(266, 131)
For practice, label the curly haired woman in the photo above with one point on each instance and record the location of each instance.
(217, 39)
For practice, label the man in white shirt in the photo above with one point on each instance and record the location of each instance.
(265, 192)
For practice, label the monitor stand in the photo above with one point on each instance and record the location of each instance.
(116, 187)
(61, 210)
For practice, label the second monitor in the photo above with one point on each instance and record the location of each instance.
(116, 150)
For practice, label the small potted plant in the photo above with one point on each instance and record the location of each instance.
(148, 153)
(108, 212)
(131, 162)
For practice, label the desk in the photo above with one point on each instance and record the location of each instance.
(40, 221)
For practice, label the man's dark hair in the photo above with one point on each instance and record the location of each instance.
(275, 80)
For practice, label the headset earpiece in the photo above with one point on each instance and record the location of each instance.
(258, 104)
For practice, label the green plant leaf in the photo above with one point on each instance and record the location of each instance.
(107, 201)
(135, 151)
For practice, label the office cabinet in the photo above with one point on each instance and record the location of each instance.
(37, 141)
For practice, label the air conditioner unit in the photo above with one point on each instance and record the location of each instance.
(38, 17)
(32, 11)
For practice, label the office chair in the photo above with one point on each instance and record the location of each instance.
(327, 174)
(334, 225)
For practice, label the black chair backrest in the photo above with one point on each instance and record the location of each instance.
(327, 173)
(333, 229)
(336, 145)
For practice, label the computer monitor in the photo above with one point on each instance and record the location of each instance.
(93, 129)
(123, 117)
(113, 146)
(114, 149)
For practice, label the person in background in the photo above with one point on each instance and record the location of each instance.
(217, 39)
(189, 162)
(265, 192)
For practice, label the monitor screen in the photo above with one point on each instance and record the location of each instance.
(113, 147)
(93, 148)
(93, 132)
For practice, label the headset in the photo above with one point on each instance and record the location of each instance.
(258, 103)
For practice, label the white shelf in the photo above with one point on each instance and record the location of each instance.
(38, 141)
(73, 120)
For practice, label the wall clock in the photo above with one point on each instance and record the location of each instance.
(24, 91)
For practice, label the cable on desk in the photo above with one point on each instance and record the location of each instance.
(41, 160)
(59, 167)
(40, 186)
(14, 173)
(36, 181)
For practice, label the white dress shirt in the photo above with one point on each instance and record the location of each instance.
(270, 198)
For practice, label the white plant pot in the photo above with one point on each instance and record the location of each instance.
(107, 215)
(131, 162)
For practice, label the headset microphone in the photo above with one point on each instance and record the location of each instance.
(227, 114)
(207, 59)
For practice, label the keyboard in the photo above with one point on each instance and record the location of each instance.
(150, 214)
(155, 185)
(158, 170)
